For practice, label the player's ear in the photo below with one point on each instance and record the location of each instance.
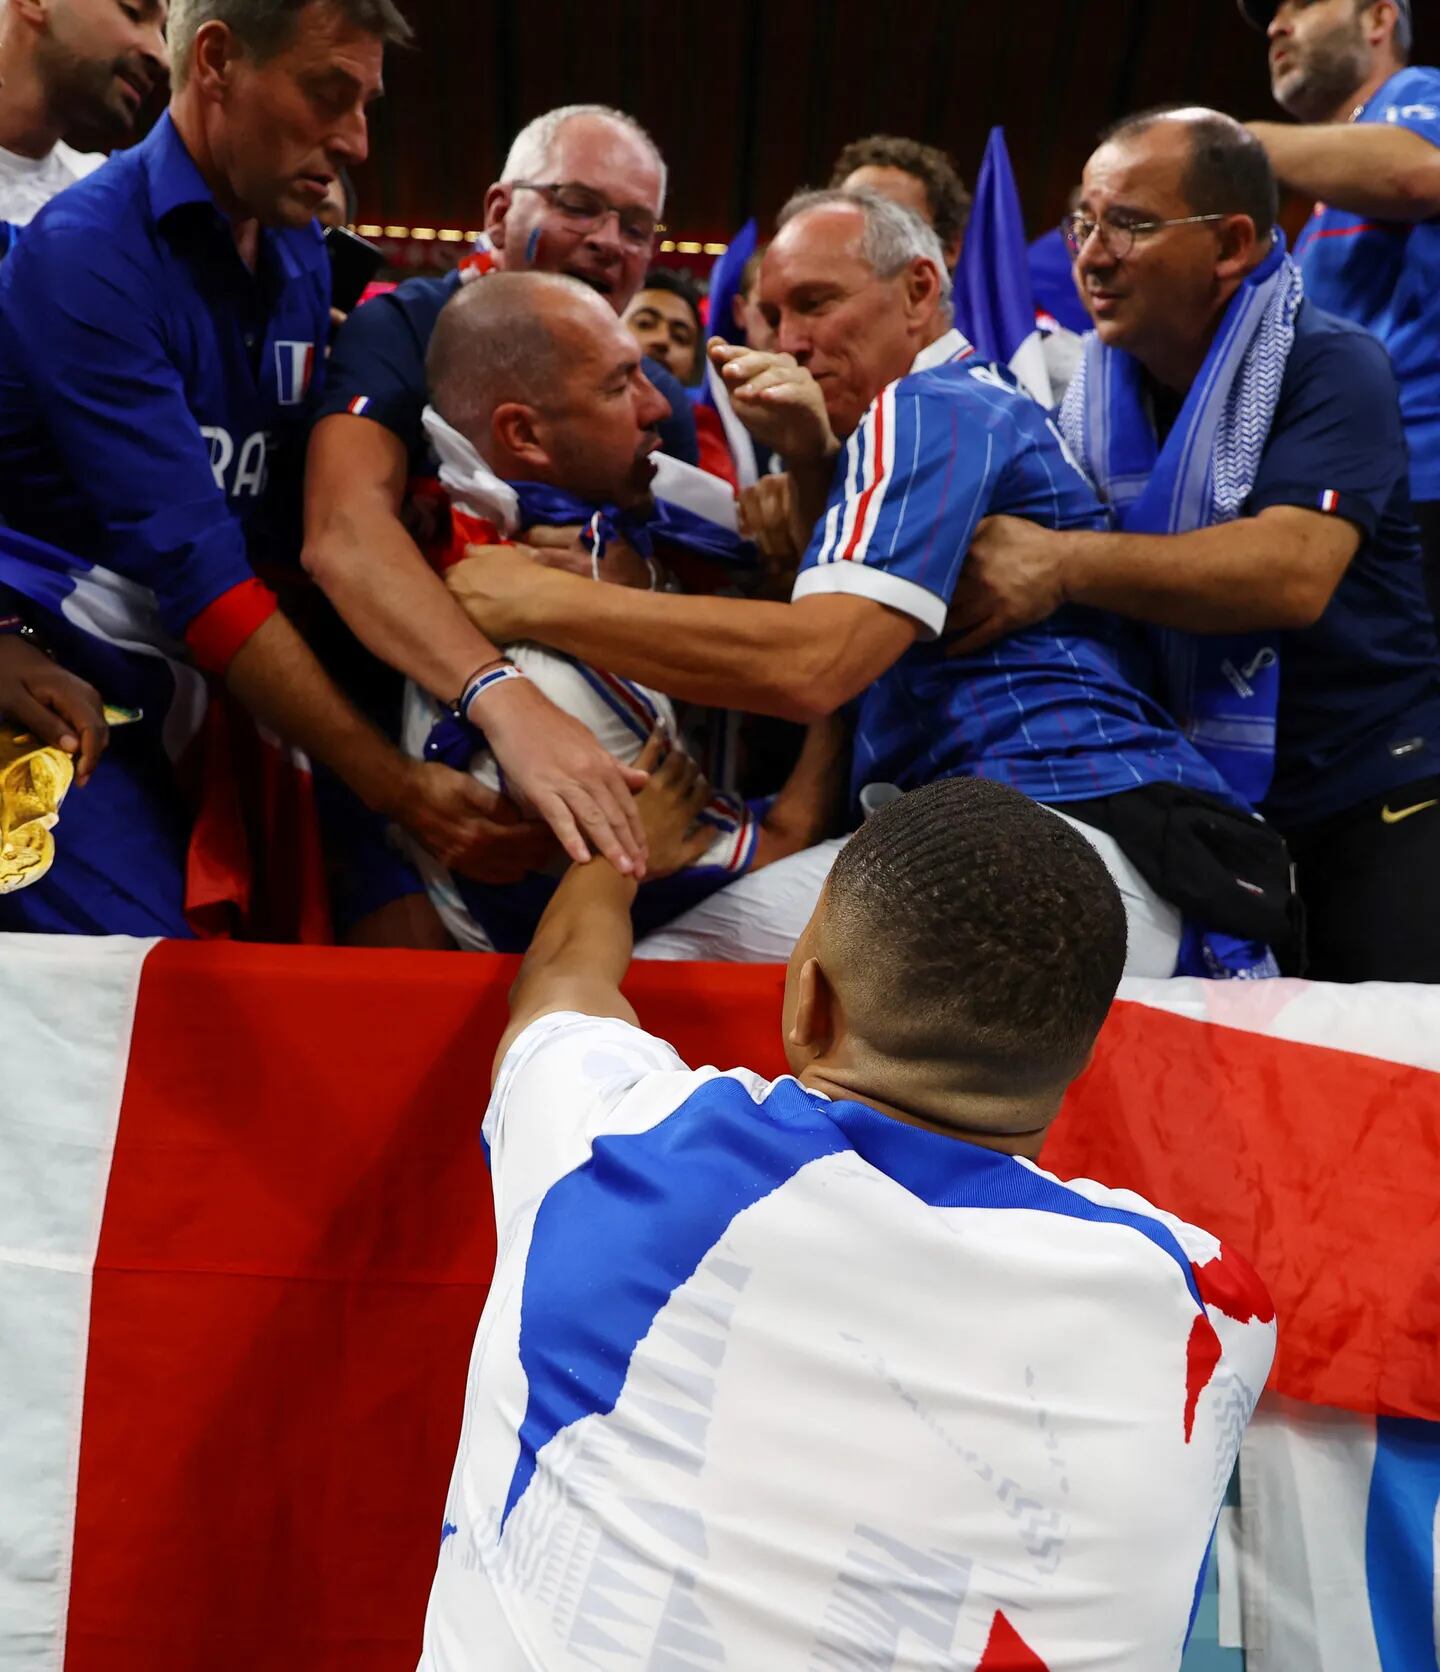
(923, 286)
(497, 207)
(812, 1022)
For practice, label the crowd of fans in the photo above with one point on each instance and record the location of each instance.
(313, 602)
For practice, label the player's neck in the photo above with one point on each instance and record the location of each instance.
(1013, 1125)
(29, 123)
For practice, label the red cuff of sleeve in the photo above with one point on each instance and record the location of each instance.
(217, 633)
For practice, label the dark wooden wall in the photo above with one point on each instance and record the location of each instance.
(752, 98)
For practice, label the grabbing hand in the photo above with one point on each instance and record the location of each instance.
(669, 806)
(470, 829)
(777, 400)
(491, 584)
(770, 516)
(1012, 578)
(567, 548)
(60, 708)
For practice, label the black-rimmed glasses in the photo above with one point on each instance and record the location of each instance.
(1118, 235)
(587, 209)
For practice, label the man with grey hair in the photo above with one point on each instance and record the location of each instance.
(856, 291)
(1366, 150)
(68, 66)
(581, 194)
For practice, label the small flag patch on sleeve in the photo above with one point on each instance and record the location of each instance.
(358, 404)
(1330, 501)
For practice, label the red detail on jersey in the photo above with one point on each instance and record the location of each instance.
(864, 506)
(1202, 1355)
(466, 530)
(223, 626)
(1231, 1286)
(1007, 1651)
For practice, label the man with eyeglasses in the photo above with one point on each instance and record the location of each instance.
(1251, 452)
(1365, 146)
(581, 194)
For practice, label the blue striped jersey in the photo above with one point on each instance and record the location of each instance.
(766, 1380)
(1048, 710)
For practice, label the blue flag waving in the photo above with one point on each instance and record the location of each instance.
(994, 304)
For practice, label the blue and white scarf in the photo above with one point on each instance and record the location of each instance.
(1223, 689)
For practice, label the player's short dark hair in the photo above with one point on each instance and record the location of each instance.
(1229, 171)
(944, 189)
(265, 27)
(678, 284)
(989, 932)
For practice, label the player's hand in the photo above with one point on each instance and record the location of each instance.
(1012, 578)
(669, 806)
(554, 765)
(777, 401)
(468, 828)
(60, 708)
(567, 548)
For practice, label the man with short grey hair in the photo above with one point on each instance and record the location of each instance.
(855, 288)
(1366, 150)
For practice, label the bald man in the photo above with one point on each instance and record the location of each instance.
(542, 414)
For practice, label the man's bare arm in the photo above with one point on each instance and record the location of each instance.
(1277, 570)
(581, 947)
(363, 559)
(1374, 168)
(800, 661)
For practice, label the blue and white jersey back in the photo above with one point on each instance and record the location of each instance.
(768, 1380)
(1050, 710)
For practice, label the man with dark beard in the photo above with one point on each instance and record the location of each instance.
(70, 66)
(1368, 151)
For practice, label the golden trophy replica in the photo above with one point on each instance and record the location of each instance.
(33, 780)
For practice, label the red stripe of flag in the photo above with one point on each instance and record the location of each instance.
(877, 478)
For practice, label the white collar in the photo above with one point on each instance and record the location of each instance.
(465, 476)
(952, 346)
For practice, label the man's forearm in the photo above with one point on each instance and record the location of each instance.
(585, 931)
(394, 602)
(1374, 169)
(722, 652)
(1240, 577)
(276, 676)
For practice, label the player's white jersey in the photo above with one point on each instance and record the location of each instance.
(767, 1381)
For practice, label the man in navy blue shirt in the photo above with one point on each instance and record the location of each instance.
(1365, 147)
(856, 288)
(1322, 558)
(581, 193)
(160, 325)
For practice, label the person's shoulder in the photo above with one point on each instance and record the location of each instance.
(79, 164)
(105, 213)
(1415, 84)
(106, 201)
(420, 301)
(1327, 346)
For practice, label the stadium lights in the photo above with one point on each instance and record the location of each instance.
(455, 235)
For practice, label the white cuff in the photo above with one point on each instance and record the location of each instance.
(894, 591)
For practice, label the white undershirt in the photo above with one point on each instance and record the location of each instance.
(28, 183)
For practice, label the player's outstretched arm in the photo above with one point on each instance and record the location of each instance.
(583, 943)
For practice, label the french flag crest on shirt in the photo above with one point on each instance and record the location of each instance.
(294, 366)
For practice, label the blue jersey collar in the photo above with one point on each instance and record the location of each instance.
(175, 181)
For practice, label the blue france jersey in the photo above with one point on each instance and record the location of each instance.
(1385, 275)
(1047, 710)
(765, 1380)
(152, 388)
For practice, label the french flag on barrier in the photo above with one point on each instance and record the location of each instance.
(994, 305)
(247, 1234)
